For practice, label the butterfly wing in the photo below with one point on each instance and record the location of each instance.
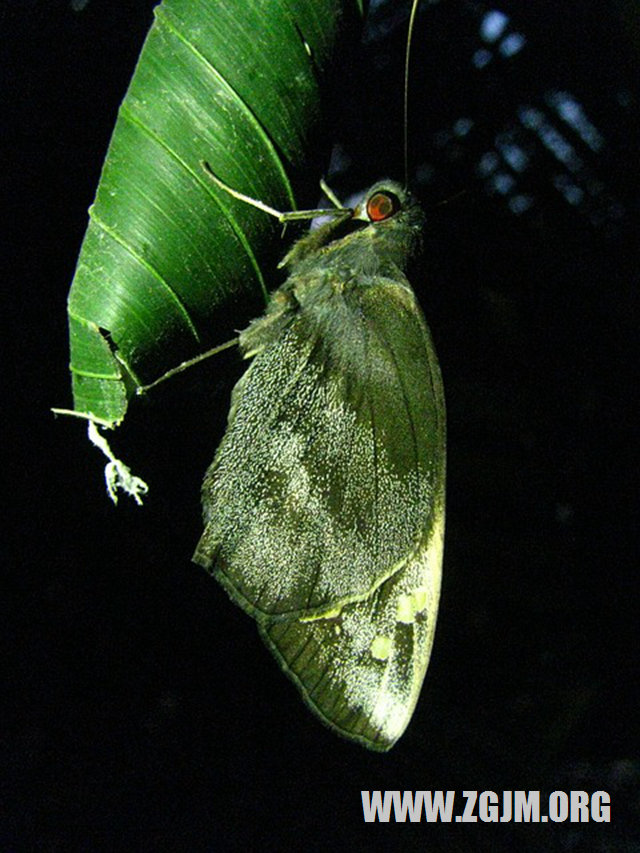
(360, 667)
(333, 461)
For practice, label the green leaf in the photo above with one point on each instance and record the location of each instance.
(167, 256)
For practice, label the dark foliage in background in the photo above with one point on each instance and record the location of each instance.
(143, 713)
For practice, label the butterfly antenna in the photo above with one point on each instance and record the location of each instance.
(412, 20)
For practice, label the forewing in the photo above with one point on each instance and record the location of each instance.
(360, 668)
(333, 458)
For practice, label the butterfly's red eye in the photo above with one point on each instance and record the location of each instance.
(382, 205)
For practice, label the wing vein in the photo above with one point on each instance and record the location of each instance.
(405, 399)
(376, 485)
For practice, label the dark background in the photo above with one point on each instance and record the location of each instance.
(143, 712)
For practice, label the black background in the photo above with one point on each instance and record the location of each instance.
(143, 712)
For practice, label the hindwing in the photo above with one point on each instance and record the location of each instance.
(360, 667)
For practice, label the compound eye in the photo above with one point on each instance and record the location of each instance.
(382, 205)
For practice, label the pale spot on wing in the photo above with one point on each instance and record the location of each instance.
(332, 613)
(409, 605)
(381, 647)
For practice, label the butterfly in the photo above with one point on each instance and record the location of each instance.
(324, 504)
